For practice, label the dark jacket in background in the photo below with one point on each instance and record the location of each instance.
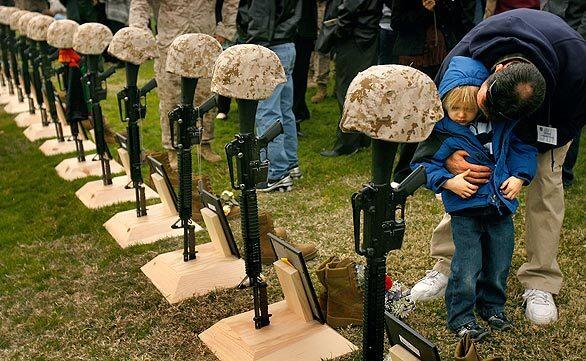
(357, 19)
(410, 20)
(572, 11)
(557, 50)
(268, 22)
(307, 26)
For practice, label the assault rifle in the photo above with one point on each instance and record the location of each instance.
(94, 92)
(74, 93)
(186, 132)
(5, 62)
(22, 48)
(11, 41)
(250, 172)
(34, 58)
(384, 228)
(131, 111)
(45, 57)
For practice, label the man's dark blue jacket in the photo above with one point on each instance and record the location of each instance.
(554, 47)
(512, 157)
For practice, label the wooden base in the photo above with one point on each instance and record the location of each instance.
(70, 169)
(6, 98)
(398, 353)
(288, 337)
(293, 334)
(178, 280)
(129, 230)
(15, 107)
(24, 120)
(54, 147)
(38, 131)
(96, 195)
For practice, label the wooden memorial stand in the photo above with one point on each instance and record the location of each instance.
(215, 266)
(23, 120)
(54, 147)
(96, 195)
(129, 230)
(399, 353)
(16, 107)
(71, 169)
(293, 334)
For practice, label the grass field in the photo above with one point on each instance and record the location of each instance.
(67, 291)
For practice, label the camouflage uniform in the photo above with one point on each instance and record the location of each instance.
(174, 18)
(321, 63)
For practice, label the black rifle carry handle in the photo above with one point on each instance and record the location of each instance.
(106, 74)
(174, 115)
(152, 84)
(120, 97)
(208, 105)
(409, 185)
(271, 133)
(231, 151)
(356, 212)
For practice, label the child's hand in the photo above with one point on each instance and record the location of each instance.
(511, 187)
(460, 186)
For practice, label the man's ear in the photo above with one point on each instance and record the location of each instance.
(500, 67)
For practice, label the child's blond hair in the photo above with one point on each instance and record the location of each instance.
(463, 96)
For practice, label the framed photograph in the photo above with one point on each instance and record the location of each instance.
(157, 168)
(214, 204)
(399, 333)
(295, 257)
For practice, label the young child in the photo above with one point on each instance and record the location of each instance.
(482, 225)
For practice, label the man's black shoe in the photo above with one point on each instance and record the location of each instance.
(499, 323)
(476, 332)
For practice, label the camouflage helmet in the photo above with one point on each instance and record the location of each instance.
(5, 14)
(247, 72)
(133, 45)
(392, 102)
(91, 39)
(23, 22)
(37, 27)
(60, 34)
(193, 55)
(15, 17)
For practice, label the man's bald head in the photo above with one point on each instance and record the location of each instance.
(516, 91)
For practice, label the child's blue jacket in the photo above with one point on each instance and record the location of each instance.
(512, 157)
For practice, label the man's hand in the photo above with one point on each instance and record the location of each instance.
(511, 187)
(429, 4)
(456, 164)
(460, 186)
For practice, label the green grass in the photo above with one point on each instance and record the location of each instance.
(68, 291)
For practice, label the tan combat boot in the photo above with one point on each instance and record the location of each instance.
(208, 154)
(268, 256)
(322, 92)
(343, 299)
(172, 157)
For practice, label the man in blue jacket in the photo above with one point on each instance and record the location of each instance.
(558, 52)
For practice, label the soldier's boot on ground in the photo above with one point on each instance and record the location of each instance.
(208, 154)
(268, 255)
(172, 158)
(322, 92)
(344, 301)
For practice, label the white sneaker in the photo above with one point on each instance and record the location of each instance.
(221, 116)
(432, 286)
(540, 307)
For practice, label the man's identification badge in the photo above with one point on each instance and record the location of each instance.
(547, 135)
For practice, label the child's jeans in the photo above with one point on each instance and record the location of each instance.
(480, 266)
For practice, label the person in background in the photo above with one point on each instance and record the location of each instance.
(354, 39)
(494, 7)
(174, 18)
(387, 38)
(574, 14)
(304, 45)
(321, 62)
(273, 24)
(223, 102)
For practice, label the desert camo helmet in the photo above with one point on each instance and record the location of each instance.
(133, 45)
(23, 22)
(5, 14)
(60, 34)
(247, 72)
(14, 18)
(393, 103)
(193, 55)
(91, 38)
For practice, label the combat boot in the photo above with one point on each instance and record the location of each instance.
(208, 154)
(344, 301)
(172, 157)
(268, 255)
(320, 95)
